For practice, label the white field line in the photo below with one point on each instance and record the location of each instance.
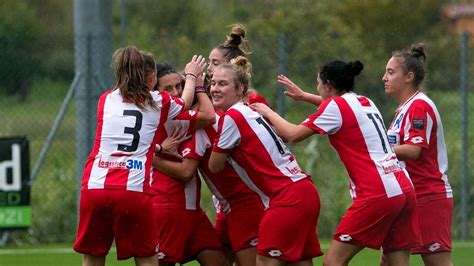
(112, 250)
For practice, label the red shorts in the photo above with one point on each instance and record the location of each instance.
(126, 216)
(222, 228)
(434, 218)
(184, 234)
(390, 223)
(288, 228)
(239, 228)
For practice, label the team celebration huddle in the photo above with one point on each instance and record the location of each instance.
(161, 132)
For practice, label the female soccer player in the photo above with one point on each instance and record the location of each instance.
(239, 208)
(115, 199)
(186, 234)
(383, 212)
(416, 134)
(268, 167)
(237, 229)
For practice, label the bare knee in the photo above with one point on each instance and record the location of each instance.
(330, 260)
(438, 259)
(212, 258)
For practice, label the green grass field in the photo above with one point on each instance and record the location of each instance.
(63, 255)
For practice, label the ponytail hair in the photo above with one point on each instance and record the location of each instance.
(235, 44)
(341, 74)
(131, 68)
(413, 60)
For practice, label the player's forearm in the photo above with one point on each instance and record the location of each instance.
(407, 152)
(313, 98)
(173, 169)
(206, 111)
(283, 128)
(188, 91)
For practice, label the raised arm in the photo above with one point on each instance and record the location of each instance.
(285, 129)
(192, 71)
(206, 115)
(296, 93)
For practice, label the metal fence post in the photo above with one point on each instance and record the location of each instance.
(93, 47)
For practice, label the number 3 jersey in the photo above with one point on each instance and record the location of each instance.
(417, 122)
(257, 154)
(124, 143)
(357, 133)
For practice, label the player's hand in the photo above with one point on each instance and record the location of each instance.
(261, 108)
(200, 80)
(293, 91)
(196, 66)
(170, 145)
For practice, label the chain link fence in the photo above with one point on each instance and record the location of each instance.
(47, 117)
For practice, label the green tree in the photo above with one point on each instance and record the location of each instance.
(19, 39)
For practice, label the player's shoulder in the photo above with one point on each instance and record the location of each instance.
(421, 102)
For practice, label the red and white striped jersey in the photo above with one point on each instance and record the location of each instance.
(226, 186)
(258, 155)
(124, 143)
(170, 192)
(417, 122)
(357, 132)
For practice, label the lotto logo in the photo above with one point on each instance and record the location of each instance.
(434, 247)
(254, 242)
(417, 140)
(345, 237)
(275, 253)
(185, 151)
(161, 255)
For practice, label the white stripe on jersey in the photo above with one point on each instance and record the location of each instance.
(246, 179)
(280, 159)
(441, 147)
(442, 159)
(202, 142)
(230, 136)
(190, 193)
(332, 120)
(373, 131)
(124, 126)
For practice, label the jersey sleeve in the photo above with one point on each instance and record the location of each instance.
(173, 105)
(418, 124)
(228, 135)
(326, 120)
(197, 146)
(190, 116)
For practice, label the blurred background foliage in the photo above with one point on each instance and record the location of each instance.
(37, 61)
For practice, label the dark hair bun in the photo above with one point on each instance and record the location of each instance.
(355, 67)
(236, 35)
(417, 50)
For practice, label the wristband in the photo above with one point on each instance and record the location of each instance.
(199, 89)
(190, 74)
(191, 78)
